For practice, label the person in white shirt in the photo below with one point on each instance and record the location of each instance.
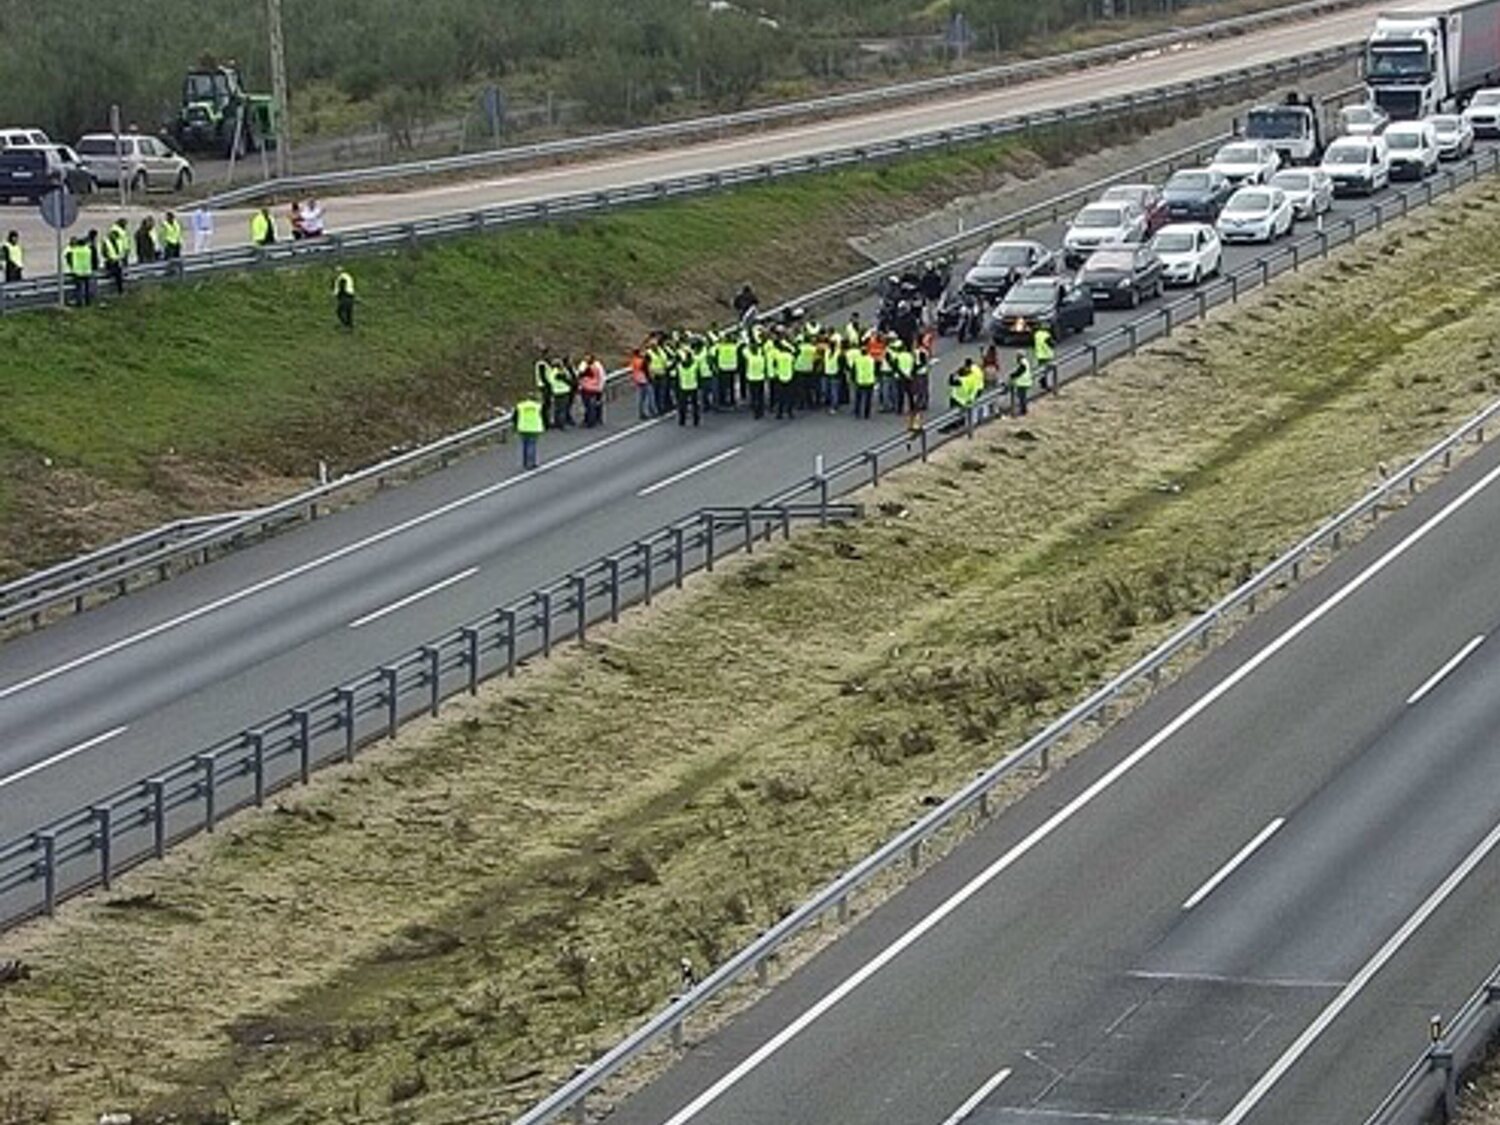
(312, 219)
(202, 223)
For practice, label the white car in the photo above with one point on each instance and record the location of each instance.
(1483, 112)
(1255, 214)
(143, 162)
(1309, 189)
(1246, 162)
(1413, 149)
(23, 138)
(1362, 120)
(1189, 252)
(1357, 164)
(1455, 135)
(1102, 224)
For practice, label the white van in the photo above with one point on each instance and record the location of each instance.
(1413, 148)
(1357, 164)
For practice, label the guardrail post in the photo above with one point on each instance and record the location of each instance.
(677, 1035)
(581, 603)
(874, 459)
(580, 1110)
(709, 527)
(984, 805)
(1234, 288)
(543, 599)
(304, 743)
(257, 743)
(1130, 334)
(206, 786)
(763, 972)
(390, 685)
(914, 854)
(471, 657)
(1265, 272)
(158, 790)
(1093, 360)
(434, 658)
(346, 720)
(613, 565)
(679, 549)
(786, 523)
(48, 864)
(749, 531)
(508, 618)
(103, 822)
(644, 549)
(922, 440)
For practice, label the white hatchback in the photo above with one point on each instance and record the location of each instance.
(1102, 224)
(1255, 214)
(1309, 189)
(1246, 162)
(1189, 252)
(1483, 112)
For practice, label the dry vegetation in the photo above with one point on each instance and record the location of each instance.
(451, 923)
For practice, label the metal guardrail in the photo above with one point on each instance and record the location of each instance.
(306, 505)
(866, 468)
(1429, 1090)
(43, 290)
(93, 845)
(1001, 74)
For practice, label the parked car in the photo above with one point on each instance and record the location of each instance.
(1246, 162)
(1357, 164)
(1255, 214)
(1148, 200)
(1483, 112)
(1122, 275)
(143, 162)
(23, 137)
(1362, 120)
(1189, 252)
(1101, 224)
(1309, 189)
(1455, 135)
(1413, 149)
(1196, 193)
(1063, 306)
(28, 172)
(1004, 263)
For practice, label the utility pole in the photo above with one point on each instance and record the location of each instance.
(278, 89)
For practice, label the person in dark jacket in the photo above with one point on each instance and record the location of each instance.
(146, 247)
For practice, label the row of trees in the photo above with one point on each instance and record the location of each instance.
(61, 65)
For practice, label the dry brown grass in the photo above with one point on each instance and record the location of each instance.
(450, 923)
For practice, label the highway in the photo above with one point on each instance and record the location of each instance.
(1203, 59)
(1242, 905)
(103, 699)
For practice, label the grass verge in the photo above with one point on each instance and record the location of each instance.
(448, 925)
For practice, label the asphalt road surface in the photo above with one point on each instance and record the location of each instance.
(1146, 71)
(101, 700)
(1243, 906)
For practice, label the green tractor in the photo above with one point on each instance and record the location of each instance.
(218, 116)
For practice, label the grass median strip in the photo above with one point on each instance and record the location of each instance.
(448, 925)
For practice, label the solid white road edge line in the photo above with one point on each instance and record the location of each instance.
(411, 599)
(315, 564)
(690, 472)
(1229, 868)
(1437, 677)
(1078, 803)
(980, 1094)
(1366, 973)
(61, 756)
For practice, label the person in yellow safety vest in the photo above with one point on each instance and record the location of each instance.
(1020, 384)
(262, 228)
(562, 394)
(783, 372)
(78, 263)
(541, 383)
(832, 385)
(117, 253)
(13, 257)
(529, 423)
(866, 373)
(854, 332)
(726, 356)
(343, 298)
(659, 367)
(805, 371)
(170, 231)
(755, 380)
(688, 372)
(903, 367)
(1042, 351)
(966, 385)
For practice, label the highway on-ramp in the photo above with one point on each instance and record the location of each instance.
(1242, 906)
(104, 699)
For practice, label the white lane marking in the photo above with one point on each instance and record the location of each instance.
(62, 756)
(315, 564)
(1366, 973)
(412, 599)
(1077, 804)
(980, 1094)
(689, 472)
(1228, 869)
(1438, 676)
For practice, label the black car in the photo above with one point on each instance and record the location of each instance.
(1122, 275)
(1063, 306)
(29, 173)
(1196, 193)
(1004, 263)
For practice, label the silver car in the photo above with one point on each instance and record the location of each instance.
(1309, 189)
(1455, 135)
(144, 163)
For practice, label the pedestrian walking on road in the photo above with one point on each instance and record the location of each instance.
(14, 257)
(343, 299)
(1042, 351)
(78, 264)
(688, 372)
(640, 379)
(530, 424)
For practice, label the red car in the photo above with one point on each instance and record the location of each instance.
(1147, 199)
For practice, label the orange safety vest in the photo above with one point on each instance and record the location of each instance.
(638, 373)
(591, 380)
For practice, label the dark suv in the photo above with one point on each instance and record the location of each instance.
(30, 173)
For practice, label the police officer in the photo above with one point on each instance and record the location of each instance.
(530, 422)
(1020, 384)
(343, 298)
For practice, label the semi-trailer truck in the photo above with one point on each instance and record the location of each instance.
(1422, 63)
